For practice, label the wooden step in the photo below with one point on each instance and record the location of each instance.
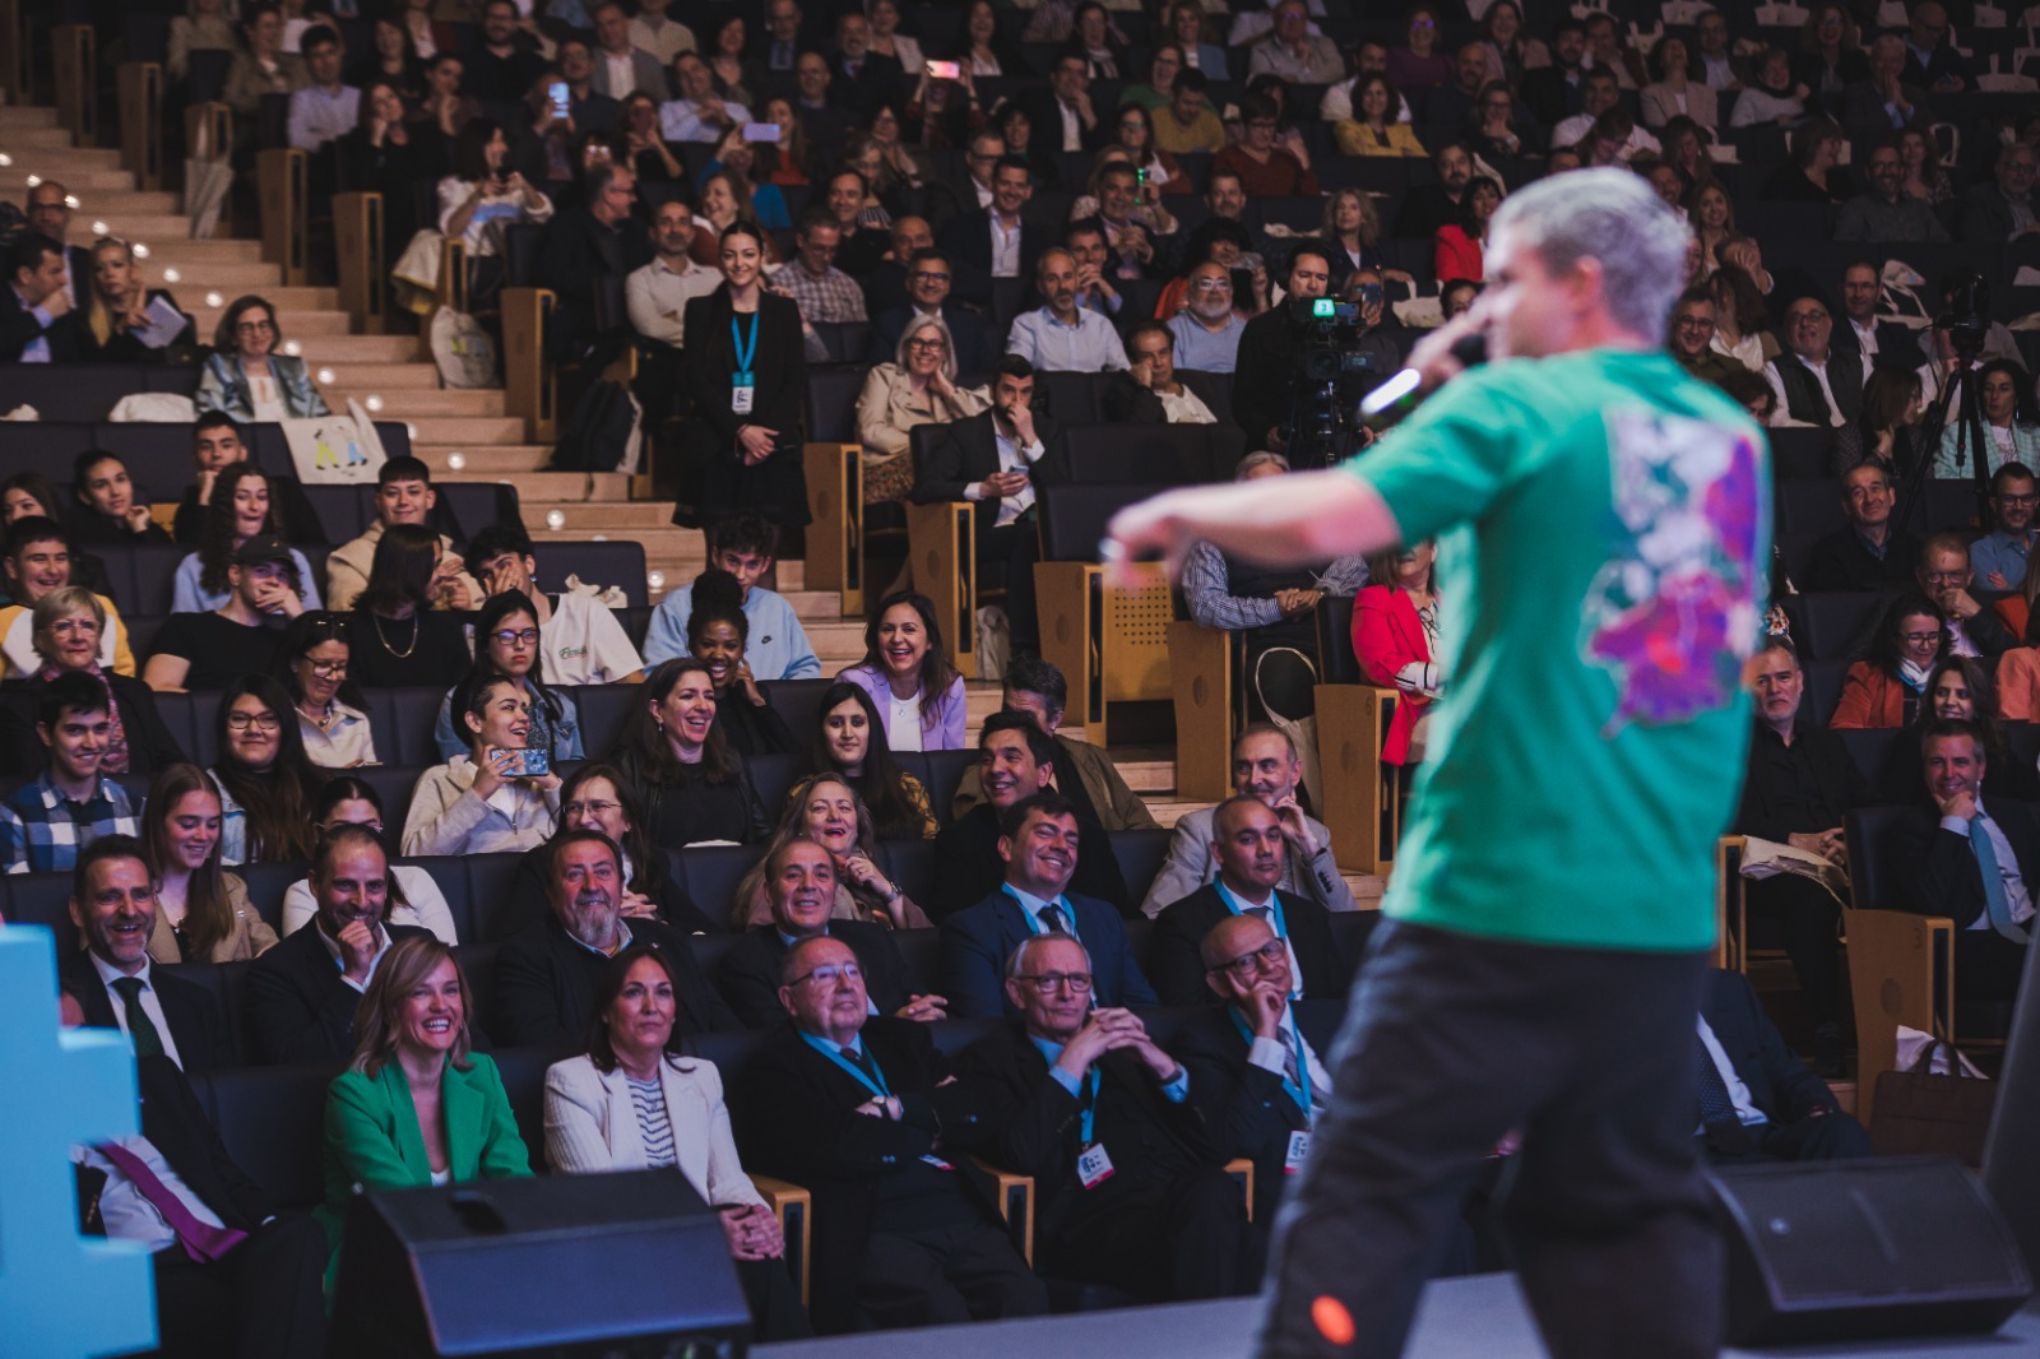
(77, 179)
(289, 302)
(151, 227)
(573, 491)
(37, 135)
(618, 517)
(469, 431)
(488, 463)
(373, 377)
(26, 115)
(228, 278)
(53, 161)
(128, 202)
(377, 349)
(300, 326)
(190, 257)
(409, 404)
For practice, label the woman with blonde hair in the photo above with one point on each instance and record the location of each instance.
(122, 310)
(203, 914)
(824, 808)
(917, 388)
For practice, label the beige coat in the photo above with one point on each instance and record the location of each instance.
(347, 570)
(889, 407)
(249, 936)
(591, 1125)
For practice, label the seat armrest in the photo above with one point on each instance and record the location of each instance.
(792, 1205)
(1012, 1193)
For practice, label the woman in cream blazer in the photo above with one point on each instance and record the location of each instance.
(919, 388)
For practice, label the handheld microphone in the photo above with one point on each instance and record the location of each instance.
(1471, 351)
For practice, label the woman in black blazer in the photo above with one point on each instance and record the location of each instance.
(748, 380)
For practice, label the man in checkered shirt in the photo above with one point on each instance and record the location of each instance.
(70, 804)
(824, 293)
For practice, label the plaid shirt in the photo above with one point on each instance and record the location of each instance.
(833, 297)
(41, 830)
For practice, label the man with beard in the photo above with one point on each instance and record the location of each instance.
(547, 975)
(302, 994)
(1207, 331)
(1999, 557)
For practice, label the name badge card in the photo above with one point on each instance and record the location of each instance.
(1299, 1147)
(1094, 1166)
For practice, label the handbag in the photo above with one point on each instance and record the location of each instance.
(1919, 1113)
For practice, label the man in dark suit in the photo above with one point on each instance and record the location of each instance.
(1990, 211)
(247, 1283)
(1257, 1073)
(1016, 761)
(992, 251)
(547, 975)
(591, 110)
(861, 79)
(1553, 92)
(1886, 344)
(1869, 553)
(1758, 1102)
(800, 879)
(1248, 840)
(49, 212)
(928, 280)
(827, 124)
(303, 993)
(1265, 376)
(1885, 103)
(1931, 58)
(1800, 785)
(1038, 839)
(38, 320)
(971, 188)
(995, 458)
(113, 904)
(860, 1110)
(587, 249)
(1063, 116)
(1948, 849)
(500, 64)
(1130, 1188)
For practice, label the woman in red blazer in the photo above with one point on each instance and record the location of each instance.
(1883, 689)
(1395, 628)
(1457, 247)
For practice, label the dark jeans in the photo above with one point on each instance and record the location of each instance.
(1829, 1137)
(1809, 916)
(1005, 558)
(266, 1297)
(1452, 1041)
(1191, 1242)
(946, 1275)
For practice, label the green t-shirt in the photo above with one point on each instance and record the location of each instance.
(1603, 524)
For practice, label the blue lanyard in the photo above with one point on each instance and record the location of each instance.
(829, 1050)
(1299, 1089)
(1089, 1121)
(1274, 904)
(1034, 925)
(747, 350)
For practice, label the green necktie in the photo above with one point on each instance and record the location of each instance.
(141, 1028)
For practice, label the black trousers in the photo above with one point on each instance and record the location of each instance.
(1830, 1137)
(1809, 917)
(1191, 1240)
(1452, 1041)
(1005, 559)
(774, 1300)
(265, 1298)
(946, 1275)
(1987, 971)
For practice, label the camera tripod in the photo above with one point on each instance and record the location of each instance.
(1961, 399)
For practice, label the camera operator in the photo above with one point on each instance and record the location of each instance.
(1264, 383)
(1382, 337)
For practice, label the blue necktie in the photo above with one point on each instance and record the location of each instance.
(1994, 899)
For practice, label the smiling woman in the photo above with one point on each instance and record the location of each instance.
(203, 913)
(674, 755)
(500, 796)
(826, 810)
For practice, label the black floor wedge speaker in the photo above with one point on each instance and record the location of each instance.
(1868, 1249)
(631, 1264)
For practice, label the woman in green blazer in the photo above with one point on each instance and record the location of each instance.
(415, 1107)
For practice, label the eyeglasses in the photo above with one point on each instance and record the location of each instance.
(515, 637)
(926, 344)
(829, 973)
(253, 327)
(1077, 983)
(591, 808)
(1947, 577)
(1212, 285)
(1808, 317)
(930, 276)
(1247, 964)
(329, 669)
(2018, 501)
(256, 721)
(1922, 638)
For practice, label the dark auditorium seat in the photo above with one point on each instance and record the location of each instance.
(773, 777)
(617, 563)
(42, 899)
(1140, 854)
(944, 771)
(799, 705)
(605, 708)
(1838, 626)
(488, 878)
(1824, 688)
(710, 874)
(272, 1120)
(1870, 752)
(832, 403)
(1809, 506)
(1073, 518)
(1166, 454)
(910, 864)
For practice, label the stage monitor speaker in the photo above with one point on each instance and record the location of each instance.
(1866, 1249)
(630, 1264)
(2010, 1168)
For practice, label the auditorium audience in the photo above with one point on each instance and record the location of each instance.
(266, 785)
(694, 788)
(414, 897)
(1869, 553)
(1814, 383)
(1256, 1060)
(46, 822)
(417, 1105)
(217, 443)
(203, 913)
(636, 1100)
(302, 997)
(549, 973)
(495, 797)
(596, 796)
(239, 506)
(1962, 689)
(311, 663)
(1161, 399)
(1999, 557)
(210, 650)
(1247, 838)
(825, 809)
(401, 640)
(906, 669)
(1039, 848)
(717, 632)
(322, 109)
(65, 627)
(105, 507)
(1944, 576)
(1060, 336)
(1887, 430)
(1885, 688)
(1265, 766)
(1016, 760)
(508, 644)
(1087, 775)
(486, 195)
(39, 562)
(746, 546)
(1129, 1183)
(248, 375)
(404, 496)
(850, 742)
(1379, 125)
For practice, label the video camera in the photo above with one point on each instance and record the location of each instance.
(1333, 372)
(1967, 318)
(1330, 330)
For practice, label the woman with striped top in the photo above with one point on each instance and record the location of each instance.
(634, 1101)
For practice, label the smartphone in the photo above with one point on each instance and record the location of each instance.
(945, 70)
(762, 132)
(558, 93)
(529, 763)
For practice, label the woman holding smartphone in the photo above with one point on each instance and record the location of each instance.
(501, 796)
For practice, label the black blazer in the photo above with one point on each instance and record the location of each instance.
(196, 1024)
(151, 747)
(545, 986)
(796, 1118)
(878, 79)
(1046, 119)
(1937, 868)
(1897, 346)
(968, 868)
(780, 401)
(1771, 810)
(298, 1008)
(1840, 563)
(966, 242)
(1176, 967)
(19, 328)
(1262, 380)
(1780, 1084)
(1030, 1124)
(748, 972)
(175, 1124)
(1243, 1105)
(965, 452)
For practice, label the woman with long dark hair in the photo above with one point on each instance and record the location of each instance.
(1887, 687)
(1961, 689)
(679, 763)
(400, 640)
(414, 897)
(241, 506)
(910, 676)
(266, 784)
(850, 743)
(203, 914)
(507, 646)
(312, 661)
